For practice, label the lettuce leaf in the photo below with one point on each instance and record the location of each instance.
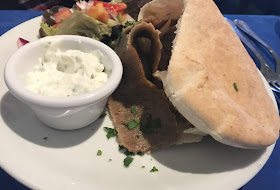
(49, 30)
(79, 24)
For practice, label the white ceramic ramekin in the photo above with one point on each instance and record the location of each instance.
(65, 113)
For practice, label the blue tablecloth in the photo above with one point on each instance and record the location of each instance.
(267, 27)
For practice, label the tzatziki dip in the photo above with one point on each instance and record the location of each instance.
(66, 73)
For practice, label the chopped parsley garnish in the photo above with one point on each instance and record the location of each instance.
(154, 169)
(235, 87)
(128, 153)
(142, 166)
(132, 124)
(129, 23)
(133, 110)
(127, 161)
(140, 153)
(151, 124)
(136, 120)
(110, 132)
(99, 153)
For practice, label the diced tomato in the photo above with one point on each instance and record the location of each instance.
(62, 14)
(96, 11)
(101, 9)
(93, 12)
(57, 25)
(123, 17)
(118, 7)
(104, 18)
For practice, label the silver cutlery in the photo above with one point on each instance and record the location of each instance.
(245, 28)
(270, 75)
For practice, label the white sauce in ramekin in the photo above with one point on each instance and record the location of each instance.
(66, 73)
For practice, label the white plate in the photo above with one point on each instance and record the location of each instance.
(68, 160)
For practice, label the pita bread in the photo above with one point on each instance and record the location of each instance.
(207, 60)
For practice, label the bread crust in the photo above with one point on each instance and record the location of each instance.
(207, 59)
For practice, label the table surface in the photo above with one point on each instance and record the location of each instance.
(267, 27)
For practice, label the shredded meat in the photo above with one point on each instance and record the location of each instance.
(137, 90)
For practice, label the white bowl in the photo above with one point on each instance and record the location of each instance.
(64, 113)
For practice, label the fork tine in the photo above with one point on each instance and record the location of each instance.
(245, 28)
(265, 69)
(277, 83)
(274, 87)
